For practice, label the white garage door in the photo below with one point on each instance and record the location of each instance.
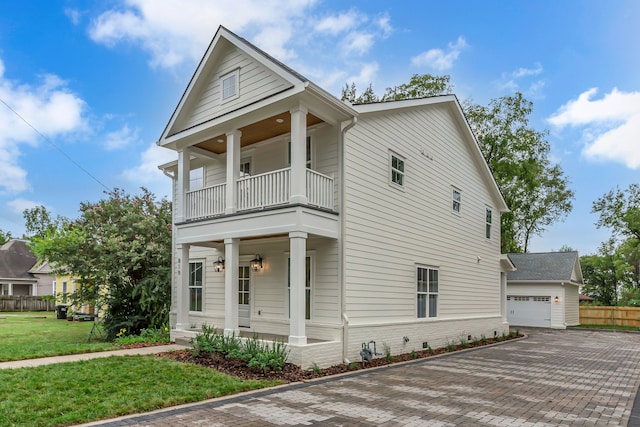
(529, 311)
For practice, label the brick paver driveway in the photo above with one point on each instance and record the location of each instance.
(552, 378)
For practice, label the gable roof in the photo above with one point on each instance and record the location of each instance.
(16, 259)
(292, 84)
(456, 109)
(547, 266)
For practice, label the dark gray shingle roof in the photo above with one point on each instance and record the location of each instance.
(16, 259)
(551, 266)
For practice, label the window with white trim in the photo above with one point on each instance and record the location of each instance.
(307, 287)
(196, 178)
(308, 154)
(396, 168)
(488, 222)
(65, 292)
(457, 200)
(229, 86)
(195, 285)
(427, 289)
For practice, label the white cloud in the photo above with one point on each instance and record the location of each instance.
(438, 58)
(610, 125)
(358, 43)
(19, 205)
(366, 75)
(49, 107)
(514, 80)
(146, 173)
(177, 32)
(73, 15)
(336, 24)
(120, 138)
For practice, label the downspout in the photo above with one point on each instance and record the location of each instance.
(341, 196)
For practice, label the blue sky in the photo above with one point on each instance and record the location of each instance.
(99, 80)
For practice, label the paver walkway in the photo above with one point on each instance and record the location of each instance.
(86, 356)
(552, 378)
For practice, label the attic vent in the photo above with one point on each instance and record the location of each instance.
(229, 86)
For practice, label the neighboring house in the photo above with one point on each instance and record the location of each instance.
(543, 290)
(67, 289)
(19, 274)
(585, 299)
(329, 225)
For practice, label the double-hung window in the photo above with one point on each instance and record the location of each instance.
(308, 154)
(488, 222)
(196, 178)
(457, 200)
(396, 166)
(427, 288)
(195, 285)
(307, 287)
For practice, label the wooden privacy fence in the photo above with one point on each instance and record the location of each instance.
(603, 315)
(25, 303)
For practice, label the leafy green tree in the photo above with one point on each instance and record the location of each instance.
(420, 86)
(620, 211)
(120, 249)
(38, 222)
(536, 191)
(605, 274)
(4, 237)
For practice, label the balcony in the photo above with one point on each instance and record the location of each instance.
(258, 192)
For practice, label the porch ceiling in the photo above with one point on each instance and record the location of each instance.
(256, 132)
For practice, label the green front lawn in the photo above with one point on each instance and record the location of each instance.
(79, 392)
(40, 334)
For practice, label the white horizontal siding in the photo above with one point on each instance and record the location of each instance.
(389, 231)
(256, 82)
(571, 305)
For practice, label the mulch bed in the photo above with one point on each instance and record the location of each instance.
(294, 373)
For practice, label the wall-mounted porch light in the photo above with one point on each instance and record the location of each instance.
(256, 263)
(218, 265)
(556, 299)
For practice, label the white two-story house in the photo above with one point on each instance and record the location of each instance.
(301, 217)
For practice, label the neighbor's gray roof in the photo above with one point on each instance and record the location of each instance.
(16, 259)
(551, 266)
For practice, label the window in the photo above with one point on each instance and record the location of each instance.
(427, 281)
(195, 286)
(196, 178)
(397, 169)
(457, 200)
(245, 167)
(229, 85)
(307, 287)
(308, 153)
(64, 292)
(488, 220)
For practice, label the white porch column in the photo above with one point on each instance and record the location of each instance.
(182, 288)
(299, 155)
(297, 294)
(231, 264)
(184, 169)
(233, 170)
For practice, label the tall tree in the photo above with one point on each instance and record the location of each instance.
(604, 274)
(4, 237)
(120, 249)
(536, 191)
(38, 222)
(620, 211)
(419, 86)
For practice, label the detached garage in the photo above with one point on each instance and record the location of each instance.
(543, 290)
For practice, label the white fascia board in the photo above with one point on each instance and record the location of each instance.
(405, 103)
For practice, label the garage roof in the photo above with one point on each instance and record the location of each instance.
(547, 266)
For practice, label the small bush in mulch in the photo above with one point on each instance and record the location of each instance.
(293, 373)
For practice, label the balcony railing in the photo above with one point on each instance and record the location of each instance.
(206, 202)
(266, 189)
(260, 191)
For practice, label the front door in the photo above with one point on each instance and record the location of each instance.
(244, 288)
